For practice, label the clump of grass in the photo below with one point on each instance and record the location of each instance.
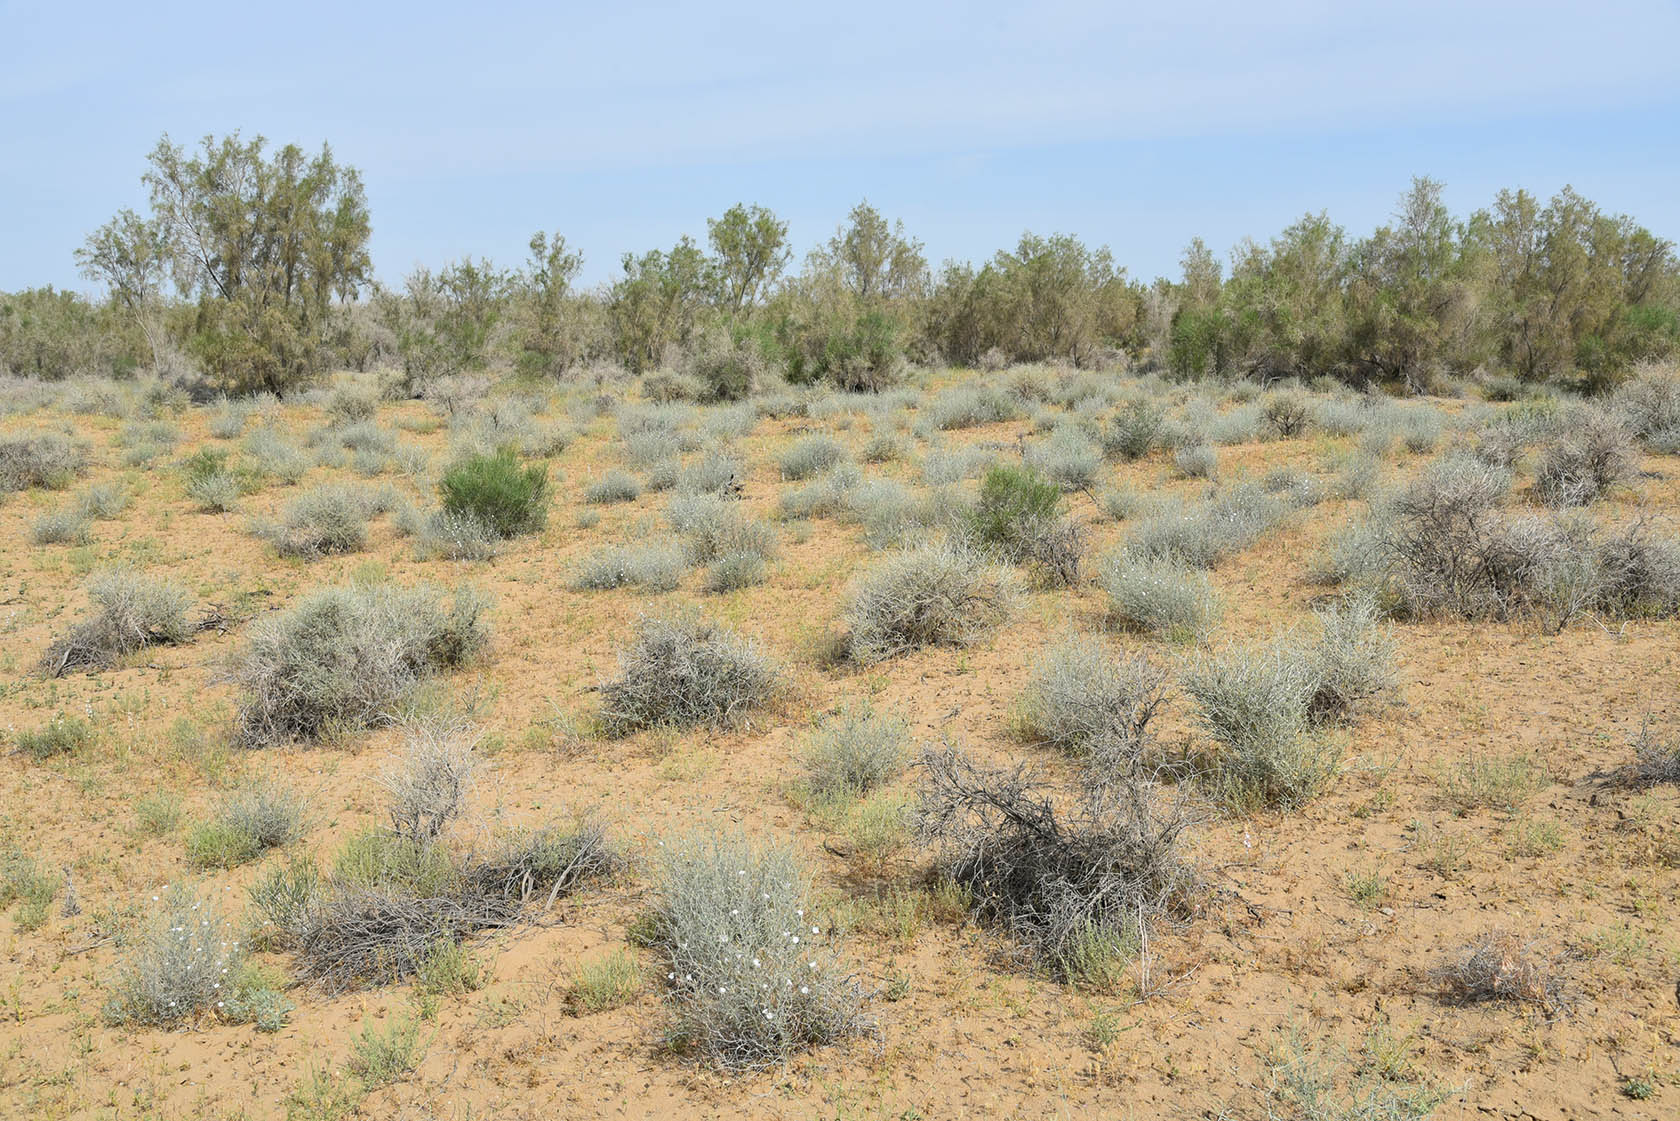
(248, 823)
(340, 657)
(381, 1057)
(1087, 702)
(854, 754)
(158, 814)
(1491, 782)
(131, 611)
(25, 882)
(1067, 459)
(61, 527)
(1500, 966)
(179, 967)
(39, 459)
(614, 486)
(1353, 659)
(500, 492)
(455, 536)
(752, 976)
(1201, 535)
(1159, 597)
(683, 671)
(604, 983)
(934, 595)
(104, 501)
(653, 568)
(62, 735)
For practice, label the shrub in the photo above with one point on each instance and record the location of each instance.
(1066, 459)
(727, 369)
(24, 881)
(350, 404)
(751, 976)
(61, 527)
(1353, 659)
(131, 612)
(1286, 412)
(1202, 535)
(1656, 758)
(246, 824)
(216, 493)
(1160, 597)
(1018, 516)
(1257, 705)
(734, 571)
(268, 453)
(1087, 702)
(853, 754)
(1196, 462)
(713, 474)
(1594, 455)
(497, 490)
(1499, 966)
(969, 405)
(811, 455)
(934, 595)
(178, 967)
(340, 657)
(941, 467)
(1133, 431)
(61, 736)
(379, 1058)
(459, 537)
(713, 527)
(325, 521)
(682, 671)
(885, 447)
(1075, 876)
(104, 501)
(39, 459)
(614, 486)
(427, 783)
(654, 568)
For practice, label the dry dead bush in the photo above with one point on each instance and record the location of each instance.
(1069, 873)
(1501, 966)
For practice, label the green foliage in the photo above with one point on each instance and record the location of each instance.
(498, 491)
(1013, 502)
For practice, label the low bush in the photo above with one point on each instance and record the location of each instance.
(131, 611)
(39, 459)
(61, 527)
(503, 494)
(732, 572)
(934, 595)
(458, 537)
(325, 521)
(811, 455)
(1085, 701)
(682, 671)
(1656, 758)
(1075, 876)
(339, 658)
(1257, 705)
(1133, 431)
(713, 527)
(62, 735)
(1196, 462)
(969, 405)
(653, 568)
(1353, 659)
(1500, 966)
(752, 977)
(1286, 412)
(179, 967)
(1202, 535)
(1159, 597)
(1067, 459)
(853, 754)
(715, 473)
(614, 486)
(1593, 455)
(246, 824)
(428, 781)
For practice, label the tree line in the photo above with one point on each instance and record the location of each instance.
(251, 269)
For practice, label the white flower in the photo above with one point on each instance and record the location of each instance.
(805, 989)
(814, 930)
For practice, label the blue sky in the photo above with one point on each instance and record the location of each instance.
(1131, 125)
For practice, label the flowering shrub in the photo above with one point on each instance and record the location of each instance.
(751, 972)
(182, 966)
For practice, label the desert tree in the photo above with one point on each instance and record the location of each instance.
(749, 251)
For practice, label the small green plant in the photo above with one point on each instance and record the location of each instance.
(380, 1057)
(853, 754)
(605, 983)
(509, 497)
(1368, 888)
(158, 814)
(1014, 502)
(1491, 782)
(62, 736)
(22, 880)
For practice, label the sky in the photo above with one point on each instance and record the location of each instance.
(625, 126)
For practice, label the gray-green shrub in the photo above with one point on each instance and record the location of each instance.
(684, 670)
(933, 595)
(1162, 597)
